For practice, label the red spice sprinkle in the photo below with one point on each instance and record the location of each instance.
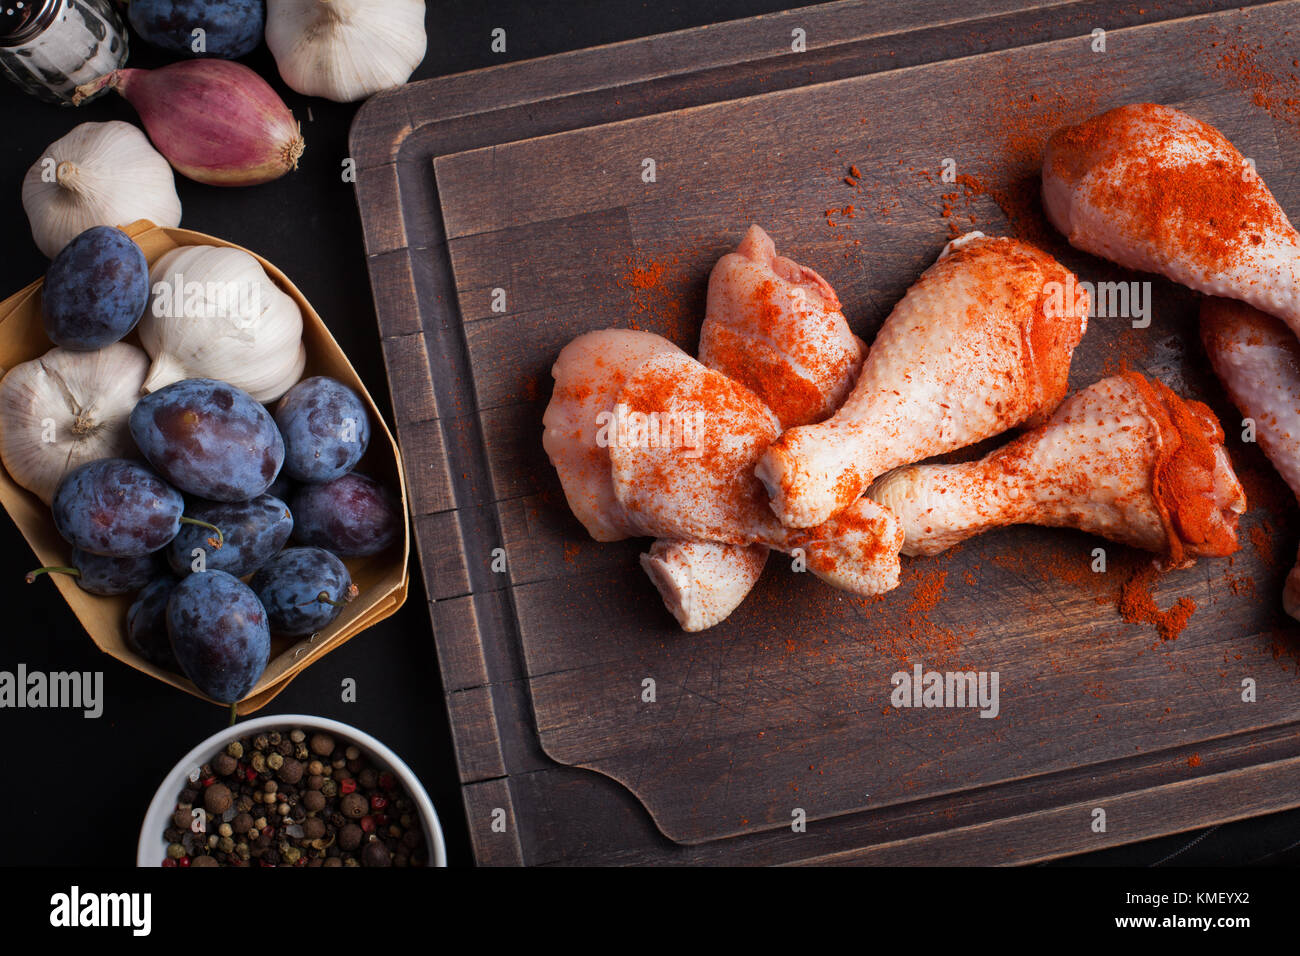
(1194, 760)
(348, 785)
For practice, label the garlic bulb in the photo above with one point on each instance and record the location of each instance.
(67, 408)
(344, 50)
(215, 313)
(100, 174)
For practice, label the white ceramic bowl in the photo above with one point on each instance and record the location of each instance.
(153, 848)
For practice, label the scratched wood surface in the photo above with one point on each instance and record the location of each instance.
(786, 705)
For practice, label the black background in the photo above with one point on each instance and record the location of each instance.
(75, 790)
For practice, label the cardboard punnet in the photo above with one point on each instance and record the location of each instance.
(382, 579)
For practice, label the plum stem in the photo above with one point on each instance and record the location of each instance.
(233, 714)
(325, 598)
(220, 540)
(31, 575)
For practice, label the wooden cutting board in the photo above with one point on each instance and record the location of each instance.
(508, 211)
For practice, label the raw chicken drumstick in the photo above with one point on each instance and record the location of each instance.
(776, 327)
(1154, 189)
(1125, 458)
(683, 467)
(1258, 360)
(588, 374)
(980, 343)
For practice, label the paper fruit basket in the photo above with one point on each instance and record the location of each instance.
(382, 579)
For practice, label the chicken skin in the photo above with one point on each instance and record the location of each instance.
(1258, 360)
(776, 327)
(1157, 190)
(1125, 458)
(683, 467)
(980, 343)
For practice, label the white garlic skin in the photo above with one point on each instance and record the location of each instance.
(345, 50)
(80, 399)
(252, 339)
(99, 174)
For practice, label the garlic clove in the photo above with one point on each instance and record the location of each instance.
(345, 50)
(164, 370)
(99, 174)
(66, 408)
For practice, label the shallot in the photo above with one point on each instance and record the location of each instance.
(216, 121)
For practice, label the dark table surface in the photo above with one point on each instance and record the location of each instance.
(97, 776)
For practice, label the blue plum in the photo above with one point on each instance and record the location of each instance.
(253, 533)
(209, 439)
(352, 515)
(95, 290)
(146, 624)
(230, 28)
(303, 590)
(325, 428)
(96, 574)
(116, 508)
(219, 633)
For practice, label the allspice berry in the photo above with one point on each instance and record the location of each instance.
(313, 829)
(290, 771)
(322, 745)
(375, 854)
(354, 805)
(314, 801)
(217, 799)
(350, 837)
(224, 764)
(204, 860)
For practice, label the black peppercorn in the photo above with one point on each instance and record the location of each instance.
(350, 837)
(290, 771)
(375, 854)
(354, 805)
(217, 799)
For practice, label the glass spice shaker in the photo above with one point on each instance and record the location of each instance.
(49, 47)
